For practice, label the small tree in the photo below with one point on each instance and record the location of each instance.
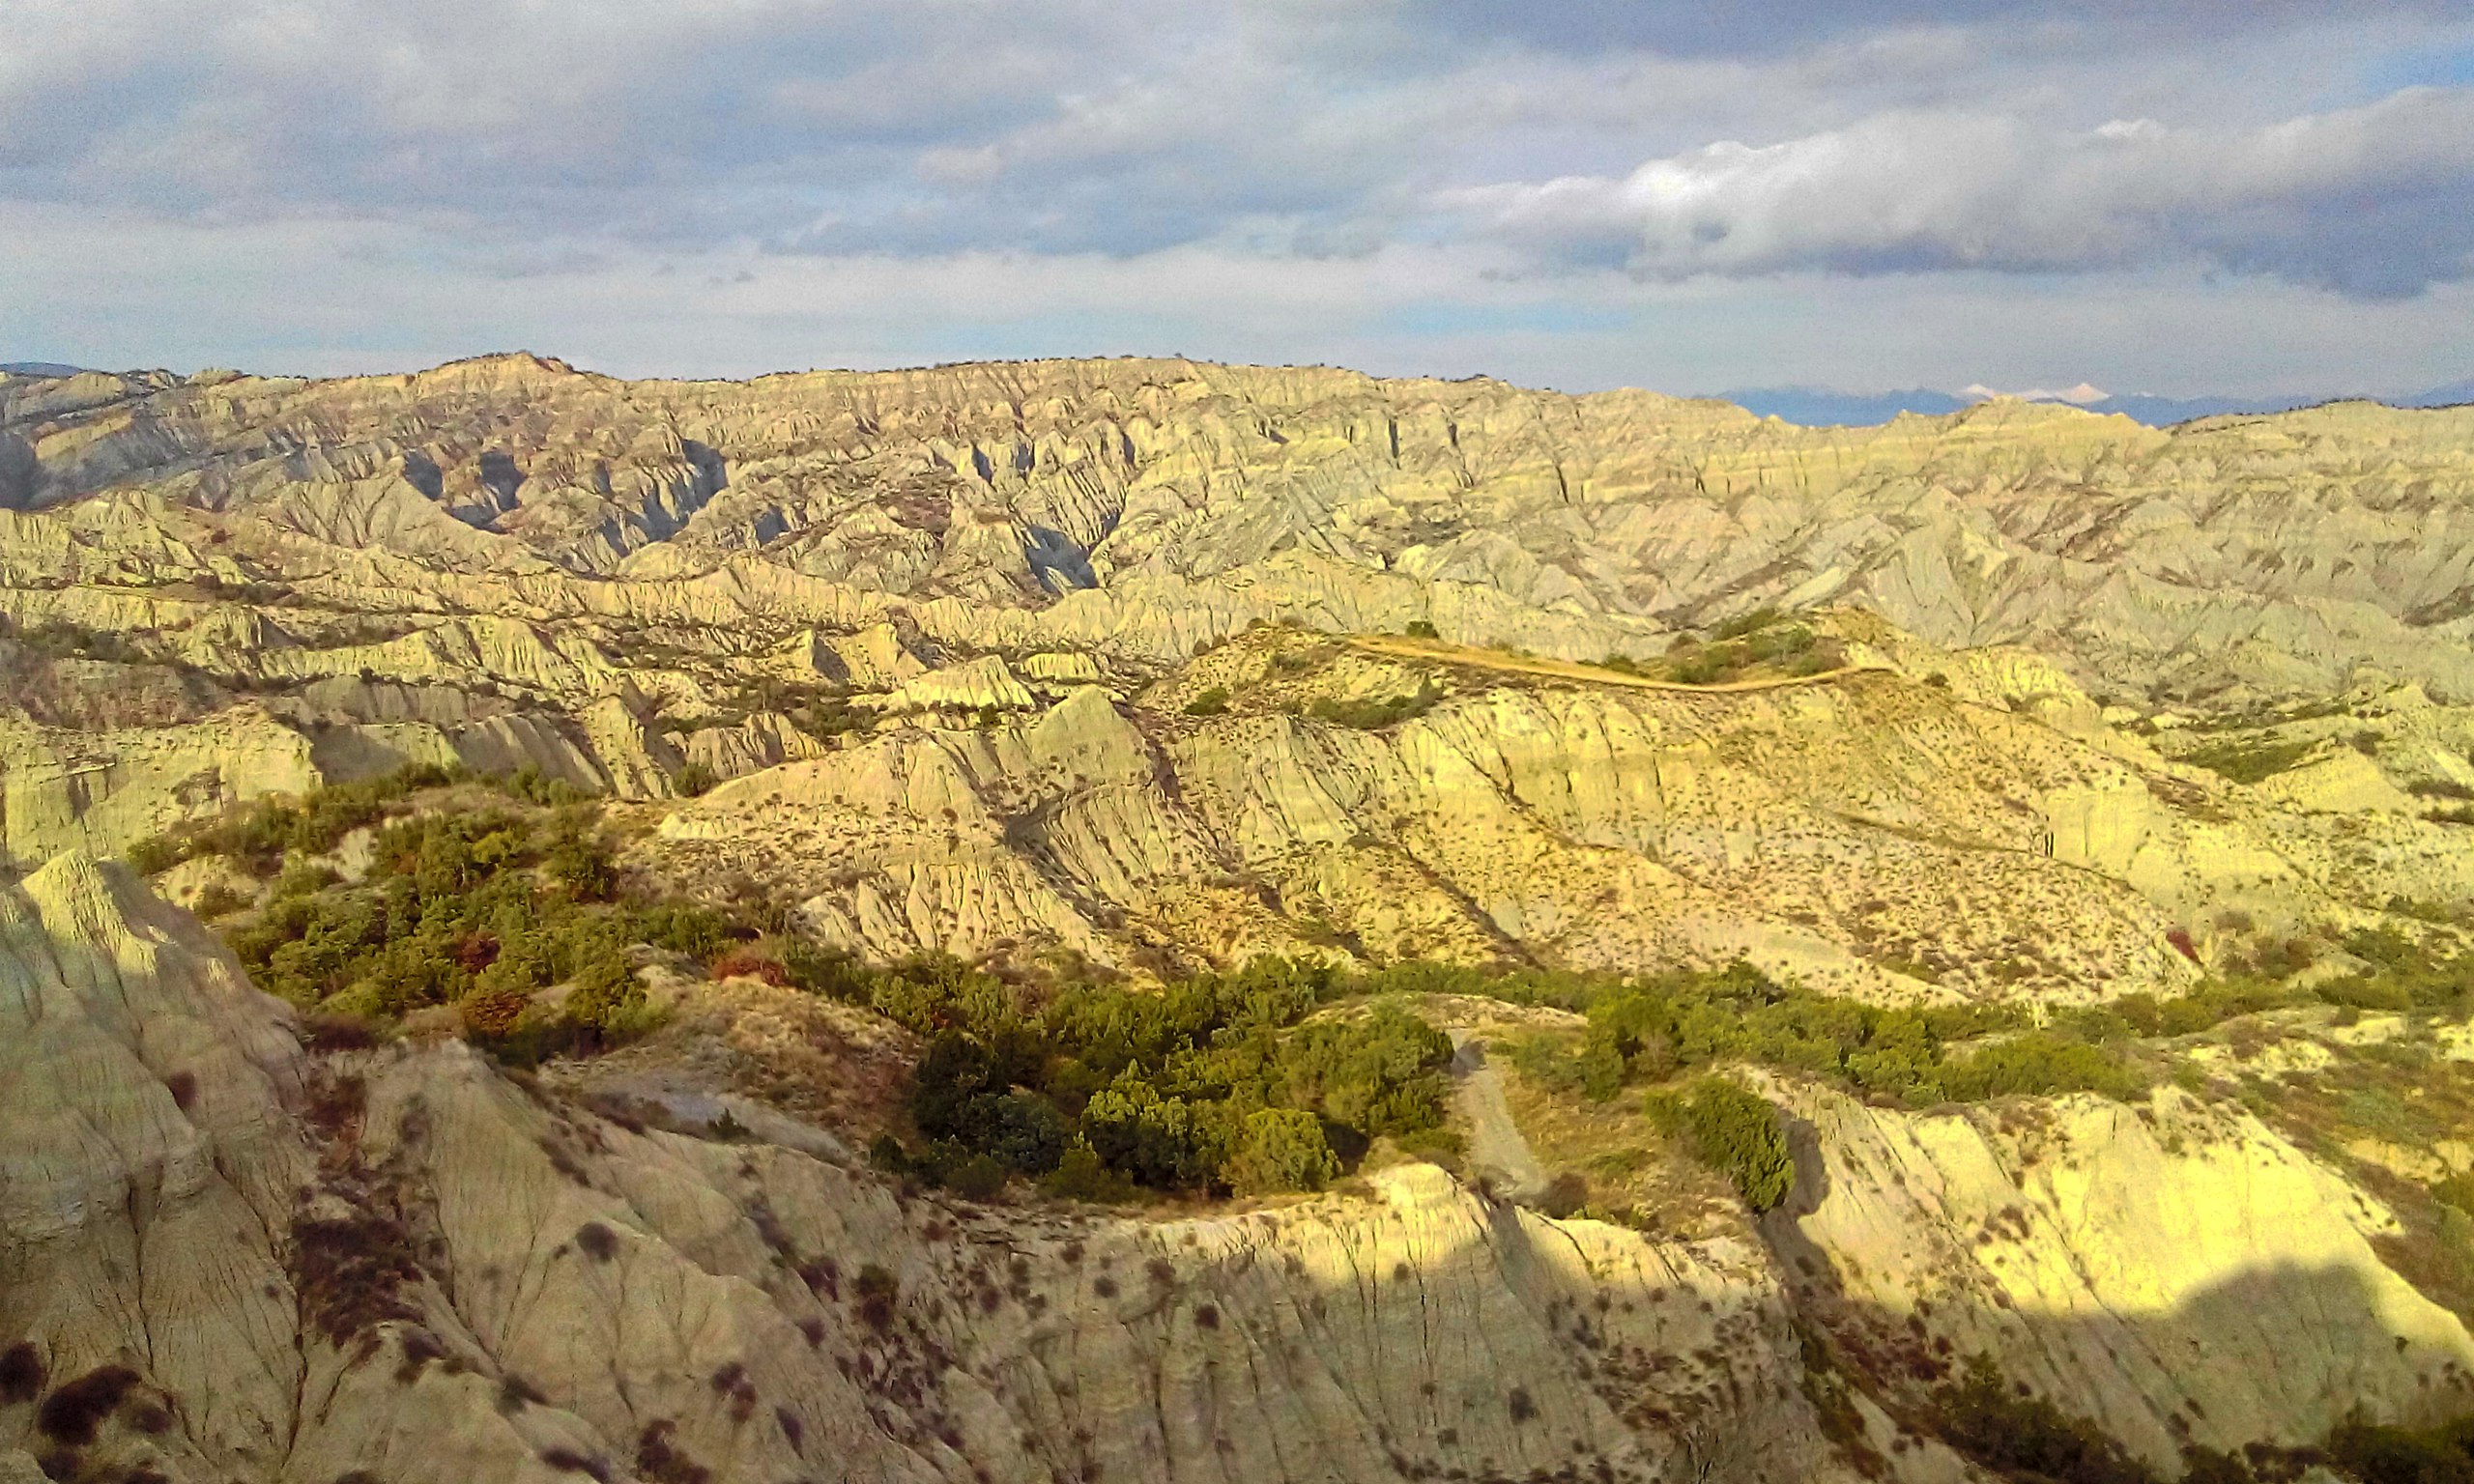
(1733, 1131)
(1282, 1149)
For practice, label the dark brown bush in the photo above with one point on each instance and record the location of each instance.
(183, 1086)
(742, 963)
(420, 1348)
(351, 1272)
(336, 1104)
(23, 1373)
(793, 1429)
(71, 1414)
(598, 1241)
(659, 1460)
(149, 1415)
(337, 1033)
(569, 1461)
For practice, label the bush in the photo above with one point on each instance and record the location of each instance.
(2017, 1436)
(1281, 1150)
(1733, 1131)
(23, 1374)
(2248, 760)
(606, 996)
(220, 899)
(693, 781)
(1747, 623)
(2395, 1455)
(1213, 701)
(492, 1013)
(2038, 1061)
(71, 1414)
(1368, 715)
(1081, 1175)
(748, 963)
(980, 1178)
(1422, 628)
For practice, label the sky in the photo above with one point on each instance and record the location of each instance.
(2233, 197)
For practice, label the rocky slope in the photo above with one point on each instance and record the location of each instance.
(398, 1264)
(906, 586)
(1161, 664)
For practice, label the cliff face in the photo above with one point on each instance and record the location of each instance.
(2175, 1271)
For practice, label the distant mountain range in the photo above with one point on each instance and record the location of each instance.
(1814, 407)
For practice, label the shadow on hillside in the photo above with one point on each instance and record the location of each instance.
(2272, 1355)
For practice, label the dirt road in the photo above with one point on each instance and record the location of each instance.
(1497, 1151)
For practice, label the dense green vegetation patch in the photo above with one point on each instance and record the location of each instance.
(2249, 760)
(260, 836)
(1369, 713)
(1650, 1029)
(1213, 1083)
(1755, 643)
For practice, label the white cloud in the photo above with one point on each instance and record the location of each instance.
(1446, 185)
(2366, 200)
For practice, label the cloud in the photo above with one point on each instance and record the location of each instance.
(1278, 179)
(2367, 201)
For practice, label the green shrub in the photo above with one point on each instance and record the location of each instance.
(219, 898)
(1420, 628)
(1747, 623)
(2041, 1063)
(1368, 715)
(693, 781)
(1082, 1176)
(2249, 760)
(1212, 702)
(1281, 1150)
(2025, 1437)
(979, 1178)
(155, 854)
(1733, 1132)
(2397, 1455)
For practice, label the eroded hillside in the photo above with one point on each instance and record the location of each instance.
(2084, 810)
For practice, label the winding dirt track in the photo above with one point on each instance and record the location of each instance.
(1498, 1151)
(1399, 648)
